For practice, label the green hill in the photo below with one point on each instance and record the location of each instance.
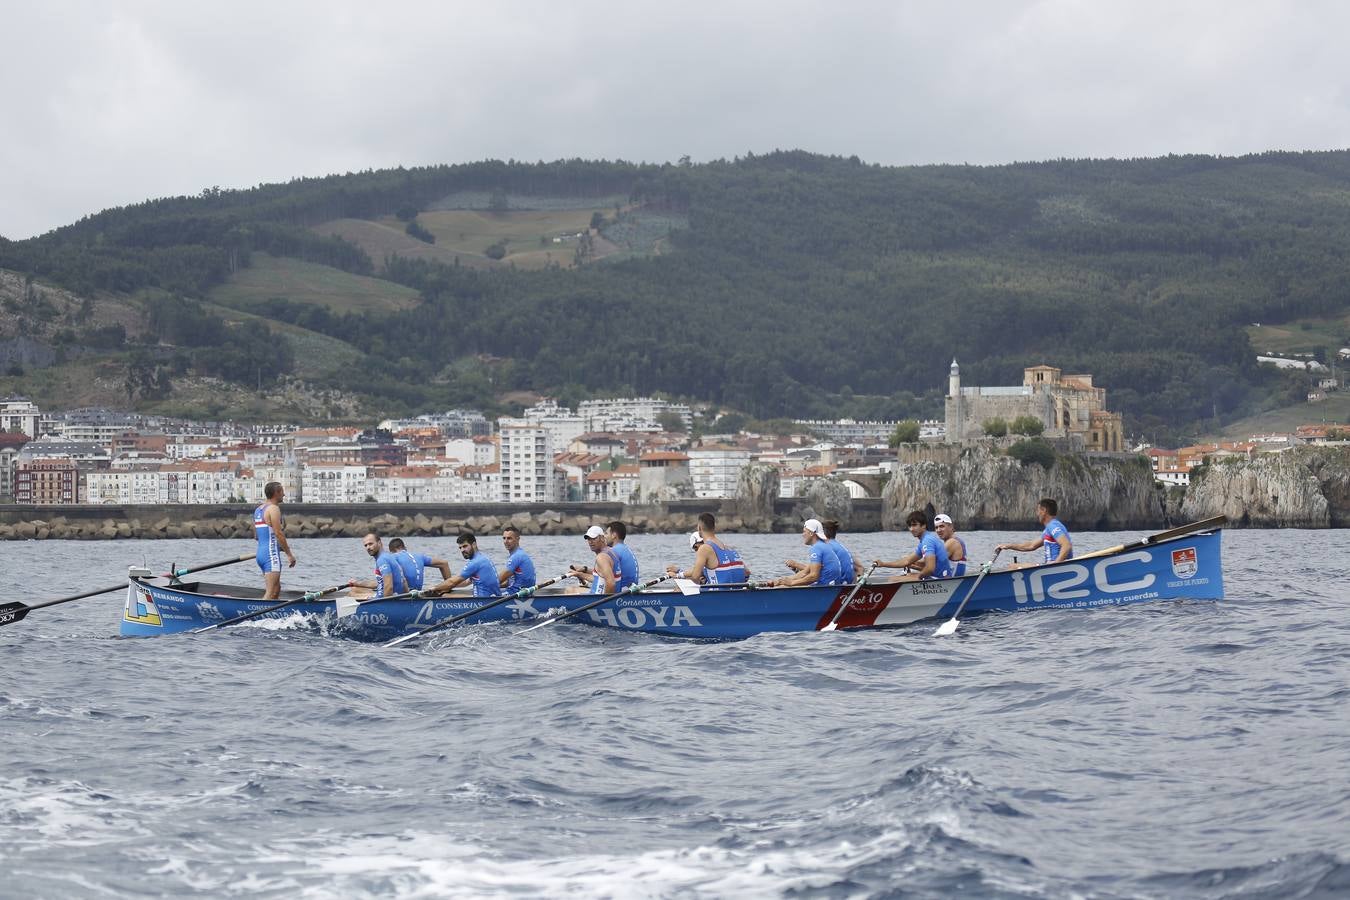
(783, 284)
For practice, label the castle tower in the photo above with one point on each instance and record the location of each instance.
(955, 414)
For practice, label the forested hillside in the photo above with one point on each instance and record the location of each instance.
(788, 284)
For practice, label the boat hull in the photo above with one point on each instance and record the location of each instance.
(1183, 568)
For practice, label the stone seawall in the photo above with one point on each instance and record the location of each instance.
(355, 520)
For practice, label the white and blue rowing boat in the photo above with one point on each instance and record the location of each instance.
(1182, 564)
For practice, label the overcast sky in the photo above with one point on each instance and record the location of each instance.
(108, 103)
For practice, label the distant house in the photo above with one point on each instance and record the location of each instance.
(1179, 475)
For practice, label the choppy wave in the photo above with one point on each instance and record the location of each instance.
(1170, 750)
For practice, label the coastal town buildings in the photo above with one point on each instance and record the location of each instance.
(100, 457)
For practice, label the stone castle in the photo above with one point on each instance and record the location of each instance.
(1068, 406)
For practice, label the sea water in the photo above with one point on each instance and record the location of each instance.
(1173, 749)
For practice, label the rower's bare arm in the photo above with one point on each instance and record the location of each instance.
(445, 586)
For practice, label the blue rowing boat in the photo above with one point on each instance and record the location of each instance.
(1162, 567)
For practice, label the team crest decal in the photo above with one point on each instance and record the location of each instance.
(140, 607)
(1183, 562)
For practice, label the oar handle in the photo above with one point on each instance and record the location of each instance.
(14, 616)
(178, 573)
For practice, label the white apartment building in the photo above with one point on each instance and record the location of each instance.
(715, 469)
(252, 482)
(199, 482)
(209, 483)
(334, 484)
(472, 451)
(563, 425)
(123, 486)
(18, 414)
(630, 414)
(411, 484)
(526, 463)
(478, 484)
(190, 447)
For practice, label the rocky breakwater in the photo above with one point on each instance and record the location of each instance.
(1307, 487)
(987, 489)
(110, 523)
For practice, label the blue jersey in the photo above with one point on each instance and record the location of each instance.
(820, 552)
(598, 583)
(730, 568)
(931, 545)
(269, 553)
(1054, 531)
(522, 571)
(845, 561)
(629, 563)
(480, 571)
(386, 564)
(413, 566)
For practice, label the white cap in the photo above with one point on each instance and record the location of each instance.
(814, 525)
(695, 539)
(941, 519)
(594, 531)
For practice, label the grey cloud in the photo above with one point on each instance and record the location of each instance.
(114, 104)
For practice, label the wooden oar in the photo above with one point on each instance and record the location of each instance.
(949, 626)
(13, 612)
(303, 598)
(1202, 525)
(631, 589)
(849, 599)
(460, 617)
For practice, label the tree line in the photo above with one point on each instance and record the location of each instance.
(805, 285)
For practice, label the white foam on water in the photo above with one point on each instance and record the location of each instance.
(293, 622)
(416, 865)
(70, 814)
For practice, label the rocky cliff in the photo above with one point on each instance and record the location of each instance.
(984, 489)
(1308, 487)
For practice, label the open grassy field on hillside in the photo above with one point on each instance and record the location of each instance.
(1336, 408)
(533, 238)
(304, 282)
(316, 355)
(1301, 335)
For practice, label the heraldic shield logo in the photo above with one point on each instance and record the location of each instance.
(1183, 562)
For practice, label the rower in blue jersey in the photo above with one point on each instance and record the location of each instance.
(519, 571)
(714, 562)
(929, 559)
(1054, 536)
(604, 576)
(270, 531)
(389, 579)
(847, 564)
(955, 546)
(414, 565)
(616, 535)
(821, 565)
(478, 570)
